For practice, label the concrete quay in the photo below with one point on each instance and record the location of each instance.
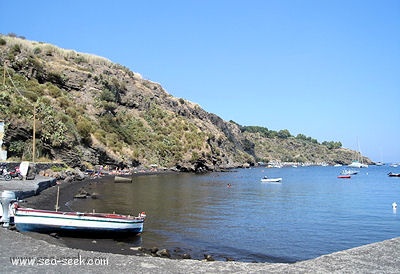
(21, 253)
(27, 188)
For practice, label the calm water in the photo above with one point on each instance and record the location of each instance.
(309, 214)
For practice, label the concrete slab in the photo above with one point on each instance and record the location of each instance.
(21, 253)
(27, 188)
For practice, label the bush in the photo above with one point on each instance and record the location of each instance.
(107, 95)
(80, 59)
(284, 134)
(37, 51)
(56, 79)
(16, 49)
(332, 144)
(17, 148)
(84, 127)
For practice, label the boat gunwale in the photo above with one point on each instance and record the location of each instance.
(271, 180)
(94, 217)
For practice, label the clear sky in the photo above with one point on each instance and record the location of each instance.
(326, 69)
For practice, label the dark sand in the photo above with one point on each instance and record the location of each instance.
(47, 199)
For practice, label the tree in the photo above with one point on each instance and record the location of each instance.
(284, 134)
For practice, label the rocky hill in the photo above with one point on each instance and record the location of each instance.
(90, 111)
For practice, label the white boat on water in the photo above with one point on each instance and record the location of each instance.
(357, 164)
(271, 180)
(46, 221)
(348, 172)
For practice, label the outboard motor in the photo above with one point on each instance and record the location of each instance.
(7, 197)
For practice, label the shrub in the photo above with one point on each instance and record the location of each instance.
(16, 49)
(284, 134)
(16, 148)
(107, 95)
(56, 79)
(84, 127)
(80, 59)
(37, 50)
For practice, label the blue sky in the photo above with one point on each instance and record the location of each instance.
(326, 69)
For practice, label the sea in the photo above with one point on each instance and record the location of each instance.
(234, 216)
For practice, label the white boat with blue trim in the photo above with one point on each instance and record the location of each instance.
(47, 221)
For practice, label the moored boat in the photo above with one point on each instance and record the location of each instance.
(358, 164)
(119, 179)
(344, 176)
(271, 180)
(348, 172)
(46, 221)
(392, 174)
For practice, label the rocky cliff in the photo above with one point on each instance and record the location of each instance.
(91, 111)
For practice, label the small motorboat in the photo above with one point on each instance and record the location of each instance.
(349, 172)
(344, 176)
(392, 174)
(265, 179)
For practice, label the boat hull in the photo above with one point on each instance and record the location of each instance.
(73, 230)
(344, 176)
(271, 180)
(358, 165)
(119, 179)
(348, 172)
(75, 223)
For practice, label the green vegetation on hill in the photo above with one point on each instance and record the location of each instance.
(91, 111)
(284, 134)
